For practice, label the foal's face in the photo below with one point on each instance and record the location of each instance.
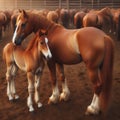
(44, 48)
(23, 28)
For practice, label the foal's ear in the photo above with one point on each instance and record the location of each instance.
(42, 32)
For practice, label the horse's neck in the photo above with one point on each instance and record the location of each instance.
(33, 49)
(40, 22)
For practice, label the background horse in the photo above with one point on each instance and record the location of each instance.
(29, 60)
(78, 19)
(95, 49)
(53, 16)
(64, 17)
(3, 21)
(102, 19)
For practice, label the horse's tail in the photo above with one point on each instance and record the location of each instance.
(106, 71)
(118, 29)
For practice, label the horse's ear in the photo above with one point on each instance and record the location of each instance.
(20, 10)
(24, 13)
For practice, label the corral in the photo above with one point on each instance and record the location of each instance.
(77, 77)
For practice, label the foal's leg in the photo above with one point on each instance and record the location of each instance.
(30, 77)
(10, 74)
(55, 95)
(94, 107)
(65, 90)
(37, 95)
(13, 73)
(8, 78)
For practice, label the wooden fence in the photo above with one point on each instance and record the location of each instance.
(53, 4)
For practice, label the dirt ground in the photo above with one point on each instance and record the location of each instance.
(74, 109)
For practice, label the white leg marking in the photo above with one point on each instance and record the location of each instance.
(94, 107)
(37, 96)
(9, 94)
(55, 95)
(30, 90)
(30, 104)
(65, 91)
(13, 89)
(39, 105)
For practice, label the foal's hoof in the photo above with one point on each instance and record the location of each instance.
(92, 111)
(39, 105)
(31, 109)
(10, 98)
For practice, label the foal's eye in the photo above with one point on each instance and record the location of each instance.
(41, 42)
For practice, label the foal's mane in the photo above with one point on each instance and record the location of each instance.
(32, 43)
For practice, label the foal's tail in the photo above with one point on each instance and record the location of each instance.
(106, 71)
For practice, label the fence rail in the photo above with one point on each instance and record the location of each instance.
(53, 4)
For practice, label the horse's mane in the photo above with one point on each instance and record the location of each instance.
(32, 43)
(105, 11)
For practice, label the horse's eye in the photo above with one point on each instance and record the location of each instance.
(23, 25)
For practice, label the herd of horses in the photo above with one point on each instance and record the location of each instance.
(106, 19)
(57, 43)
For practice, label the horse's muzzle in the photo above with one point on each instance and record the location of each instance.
(18, 41)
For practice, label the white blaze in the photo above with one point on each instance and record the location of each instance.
(15, 33)
(48, 53)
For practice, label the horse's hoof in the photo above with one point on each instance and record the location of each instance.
(92, 111)
(64, 97)
(39, 105)
(50, 101)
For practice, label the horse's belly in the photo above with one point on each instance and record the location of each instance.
(69, 59)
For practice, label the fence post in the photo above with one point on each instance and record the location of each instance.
(92, 3)
(68, 4)
(60, 4)
(30, 4)
(98, 2)
(80, 4)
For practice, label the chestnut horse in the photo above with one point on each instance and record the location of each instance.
(90, 45)
(78, 19)
(3, 20)
(53, 16)
(29, 60)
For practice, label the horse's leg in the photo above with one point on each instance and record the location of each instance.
(13, 73)
(55, 94)
(65, 90)
(94, 107)
(30, 77)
